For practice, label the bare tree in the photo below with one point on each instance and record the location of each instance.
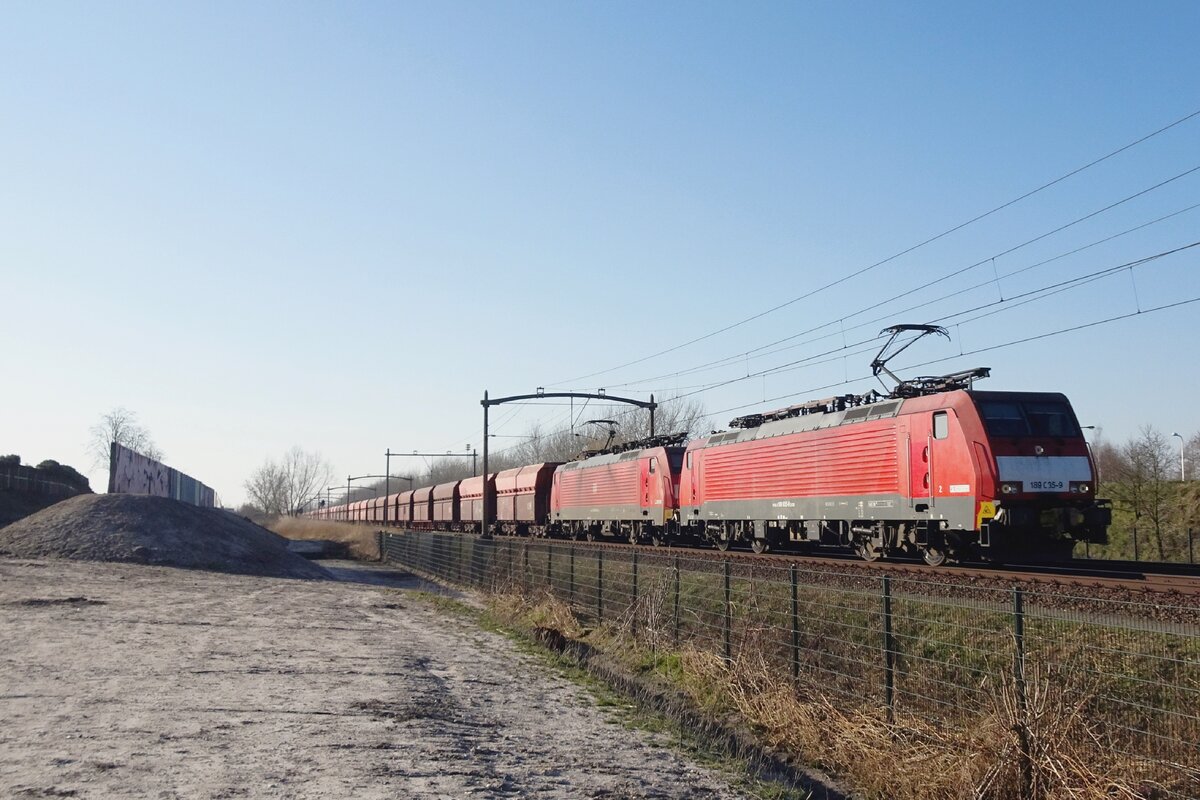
(1144, 481)
(121, 426)
(444, 470)
(674, 415)
(1191, 457)
(305, 476)
(1110, 463)
(265, 488)
(287, 486)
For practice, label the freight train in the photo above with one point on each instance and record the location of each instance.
(936, 469)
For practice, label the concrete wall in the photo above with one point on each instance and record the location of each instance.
(133, 473)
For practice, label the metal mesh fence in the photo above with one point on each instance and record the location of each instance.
(948, 655)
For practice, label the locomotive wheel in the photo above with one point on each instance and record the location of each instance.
(934, 557)
(591, 535)
(633, 536)
(723, 544)
(760, 545)
(658, 540)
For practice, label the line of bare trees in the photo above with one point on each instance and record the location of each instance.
(1142, 478)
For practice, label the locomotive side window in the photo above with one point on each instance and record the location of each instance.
(689, 460)
(653, 465)
(941, 425)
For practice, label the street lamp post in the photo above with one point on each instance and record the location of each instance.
(1182, 469)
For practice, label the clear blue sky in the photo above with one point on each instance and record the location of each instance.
(335, 225)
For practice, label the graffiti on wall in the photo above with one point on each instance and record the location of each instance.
(130, 472)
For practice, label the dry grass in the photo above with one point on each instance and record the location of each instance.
(538, 611)
(1046, 748)
(359, 539)
(1051, 751)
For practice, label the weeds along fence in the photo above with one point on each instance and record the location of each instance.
(943, 655)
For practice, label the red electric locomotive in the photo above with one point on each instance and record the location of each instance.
(632, 494)
(953, 473)
(935, 468)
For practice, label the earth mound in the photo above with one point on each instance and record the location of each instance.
(153, 530)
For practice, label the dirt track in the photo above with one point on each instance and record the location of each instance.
(132, 681)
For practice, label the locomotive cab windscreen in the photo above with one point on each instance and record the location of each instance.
(1024, 417)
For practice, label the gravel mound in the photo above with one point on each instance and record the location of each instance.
(153, 530)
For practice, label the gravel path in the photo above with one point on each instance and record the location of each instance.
(120, 680)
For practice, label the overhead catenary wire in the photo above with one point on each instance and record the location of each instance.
(843, 352)
(893, 257)
(977, 351)
(1044, 186)
(996, 307)
(953, 274)
(1011, 302)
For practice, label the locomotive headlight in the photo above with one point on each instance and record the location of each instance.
(1010, 487)
(1080, 487)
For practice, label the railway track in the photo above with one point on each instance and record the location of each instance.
(1130, 576)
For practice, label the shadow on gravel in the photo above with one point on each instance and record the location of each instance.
(381, 575)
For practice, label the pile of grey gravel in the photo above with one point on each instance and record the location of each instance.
(153, 530)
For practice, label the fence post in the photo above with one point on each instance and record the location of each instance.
(675, 618)
(472, 563)
(1019, 682)
(549, 565)
(633, 603)
(525, 567)
(599, 585)
(1191, 559)
(889, 652)
(571, 585)
(795, 625)
(728, 614)
(459, 539)
(1135, 546)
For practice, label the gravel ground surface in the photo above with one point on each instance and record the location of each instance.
(121, 680)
